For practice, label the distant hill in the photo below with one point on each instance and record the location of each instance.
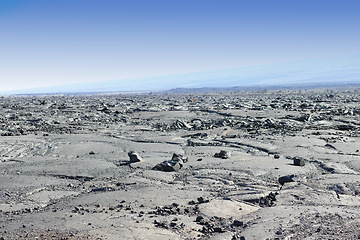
(289, 87)
(337, 70)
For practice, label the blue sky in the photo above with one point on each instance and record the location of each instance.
(52, 42)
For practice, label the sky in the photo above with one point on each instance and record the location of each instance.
(54, 42)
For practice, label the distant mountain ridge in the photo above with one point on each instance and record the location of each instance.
(336, 70)
(260, 89)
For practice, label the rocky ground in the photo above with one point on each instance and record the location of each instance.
(278, 165)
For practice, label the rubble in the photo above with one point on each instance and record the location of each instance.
(235, 165)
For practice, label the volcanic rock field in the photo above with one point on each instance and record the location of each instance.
(232, 165)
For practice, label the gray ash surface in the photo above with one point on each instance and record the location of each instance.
(236, 165)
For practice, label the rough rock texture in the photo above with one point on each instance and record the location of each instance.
(65, 171)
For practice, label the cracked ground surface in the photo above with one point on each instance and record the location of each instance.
(66, 174)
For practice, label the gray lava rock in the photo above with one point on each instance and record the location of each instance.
(177, 161)
(167, 166)
(134, 157)
(223, 154)
(181, 124)
(284, 179)
(268, 201)
(289, 178)
(238, 223)
(179, 157)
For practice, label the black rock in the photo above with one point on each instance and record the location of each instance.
(199, 218)
(268, 201)
(177, 161)
(330, 146)
(202, 200)
(299, 161)
(284, 179)
(223, 154)
(168, 166)
(238, 223)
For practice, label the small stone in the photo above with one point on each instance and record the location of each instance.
(299, 161)
(223, 154)
(276, 156)
(238, 223)
(179, 157)
(134, 157)
(284, 179)
(199, 218)
(174, 205)
(330, 146)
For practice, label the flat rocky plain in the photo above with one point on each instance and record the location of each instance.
(271, 165)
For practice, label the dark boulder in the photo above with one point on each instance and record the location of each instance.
(134, 157)
(177, 161)
(223, 154)
(299, 161)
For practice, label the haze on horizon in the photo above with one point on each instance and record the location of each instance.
(49, 43)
